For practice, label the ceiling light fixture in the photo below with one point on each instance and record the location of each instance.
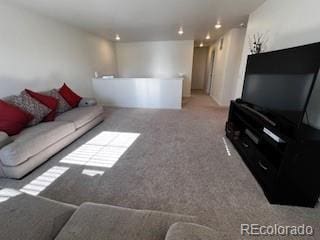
(208, 36)
(243, 25)
(118, 37)
(218, 25)
(201, 44)
(180, 31)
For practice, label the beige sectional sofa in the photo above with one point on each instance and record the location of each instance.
(36, 144)
(27, 217)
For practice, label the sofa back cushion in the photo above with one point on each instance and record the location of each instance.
(70, 96)
(48, 101)
(29, 217)
(13, 119)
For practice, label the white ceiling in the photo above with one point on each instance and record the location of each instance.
(147, 20)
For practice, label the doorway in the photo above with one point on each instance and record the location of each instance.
(199, 70)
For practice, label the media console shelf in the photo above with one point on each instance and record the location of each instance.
(285, 163)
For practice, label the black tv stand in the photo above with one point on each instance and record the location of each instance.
(260, 114)
(287, 166)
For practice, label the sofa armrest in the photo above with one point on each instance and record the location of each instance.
(28, 217)
(100, 221)
(192, 231)
(87, 102)
(4, 139)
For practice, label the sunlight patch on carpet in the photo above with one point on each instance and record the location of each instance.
(92, 173)
(226, 146)
(7, 193)
(44, 180)
(104, 150)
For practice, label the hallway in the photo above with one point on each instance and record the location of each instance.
(199, 99)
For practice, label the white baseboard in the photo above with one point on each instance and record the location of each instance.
(218, 102)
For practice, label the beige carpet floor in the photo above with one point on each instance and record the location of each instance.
(178, 164)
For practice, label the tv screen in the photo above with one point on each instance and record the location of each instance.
(280, 82)
(285, 94)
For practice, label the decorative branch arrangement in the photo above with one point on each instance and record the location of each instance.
(256, 43)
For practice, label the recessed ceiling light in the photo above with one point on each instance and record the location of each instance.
(218, 25)
(201, 44)
(180, 31)
(118, 37)
(208, 36)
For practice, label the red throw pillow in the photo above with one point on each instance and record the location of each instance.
(71, 97)
(48, 101)
(12, 119)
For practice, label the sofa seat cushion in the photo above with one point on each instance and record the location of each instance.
(29, 218)
(33, 140)
(191, 231)
(97, 221)
(81, 116)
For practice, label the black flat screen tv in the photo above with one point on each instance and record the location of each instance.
(279, 83)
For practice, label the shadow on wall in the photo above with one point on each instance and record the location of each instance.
(294, 39)
(12, 86)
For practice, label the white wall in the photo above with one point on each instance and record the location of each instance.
(285, 23)
(160, 59)
(226, 66)
(39, 53)
(199, 70)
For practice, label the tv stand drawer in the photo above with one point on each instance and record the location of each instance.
(245, 146)
(264, 169)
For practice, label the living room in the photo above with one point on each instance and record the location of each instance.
(106, 134)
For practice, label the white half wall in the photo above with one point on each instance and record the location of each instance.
(40, 53)
(161, 59)
(285, 23)
(139, 92)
